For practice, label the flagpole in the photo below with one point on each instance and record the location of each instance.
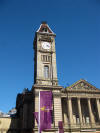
(39, 115)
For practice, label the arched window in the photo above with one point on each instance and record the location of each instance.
(46, 71)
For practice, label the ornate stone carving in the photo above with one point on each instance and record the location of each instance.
(83, 85)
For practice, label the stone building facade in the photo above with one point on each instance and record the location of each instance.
(78, 105)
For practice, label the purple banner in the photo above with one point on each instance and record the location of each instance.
(60, 126)
(45, 109)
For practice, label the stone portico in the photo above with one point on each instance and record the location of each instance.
(81, 106)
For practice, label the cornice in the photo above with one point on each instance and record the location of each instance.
(46, 87)
(82, 91)
(46, 51)
(48, 34)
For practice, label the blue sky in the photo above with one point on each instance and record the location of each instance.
(77, 27)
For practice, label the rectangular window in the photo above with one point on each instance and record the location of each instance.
(46, 71)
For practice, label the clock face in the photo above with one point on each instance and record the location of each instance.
(46, 45)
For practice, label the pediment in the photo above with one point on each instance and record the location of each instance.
(44, 28)
(82, 85)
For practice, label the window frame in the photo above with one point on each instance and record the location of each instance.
(46, 71)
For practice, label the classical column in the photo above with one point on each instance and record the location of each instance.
(90, 112)
(69, 102)
(79, 110)
(98, 108)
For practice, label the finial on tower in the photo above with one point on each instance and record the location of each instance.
(44, 22)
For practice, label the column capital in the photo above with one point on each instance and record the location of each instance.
(97, 98)
(78, 98)
(88, 98)
(69, 98)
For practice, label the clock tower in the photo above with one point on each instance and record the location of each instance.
(45, 71)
